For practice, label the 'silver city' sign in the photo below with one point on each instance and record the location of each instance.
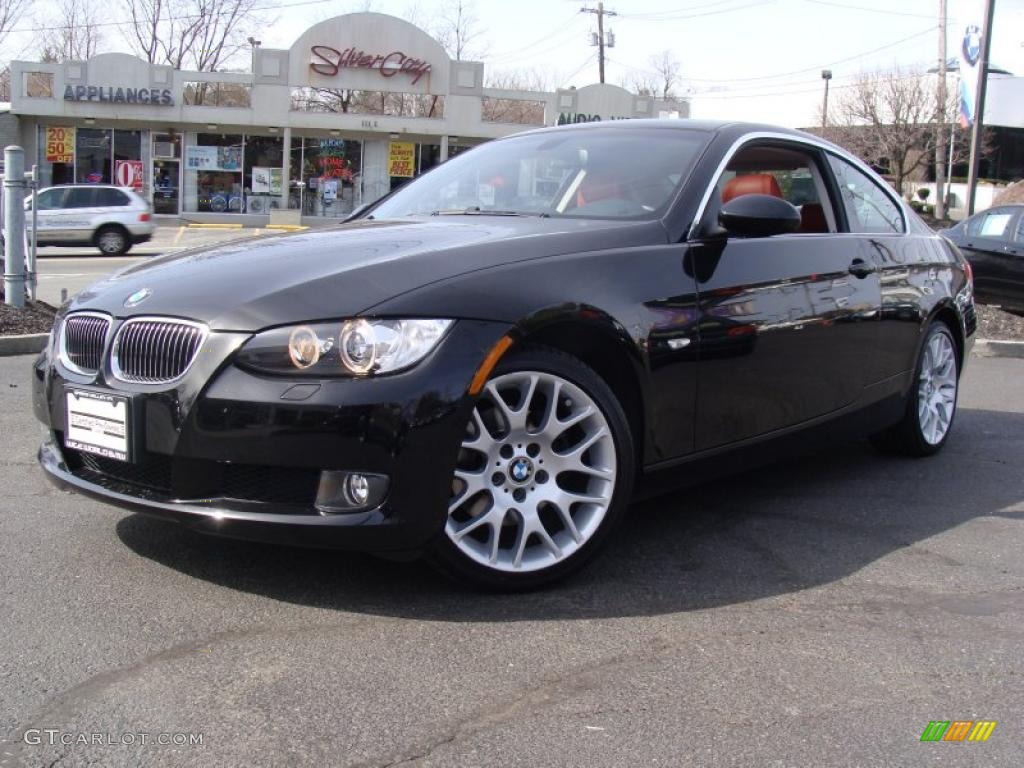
(329, 61)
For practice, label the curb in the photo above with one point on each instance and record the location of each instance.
(25, 344)
(993, 348)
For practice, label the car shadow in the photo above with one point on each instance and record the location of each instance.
(758, 534)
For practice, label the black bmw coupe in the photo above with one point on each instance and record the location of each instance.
(484, 366)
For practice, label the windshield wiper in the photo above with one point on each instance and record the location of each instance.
(476, 210)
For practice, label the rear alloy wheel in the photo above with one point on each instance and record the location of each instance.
(112, 241)
(931, 405)
(543, 473)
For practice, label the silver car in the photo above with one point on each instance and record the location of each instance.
(111, 218)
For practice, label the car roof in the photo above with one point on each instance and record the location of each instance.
(88, 186)
(735, 127)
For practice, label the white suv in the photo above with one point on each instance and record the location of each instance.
(111, 218)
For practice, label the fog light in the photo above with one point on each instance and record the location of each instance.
(342, 491)
(358, 489)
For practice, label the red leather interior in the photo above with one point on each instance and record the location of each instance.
(812, 218)
(751, 184)
(591, 191)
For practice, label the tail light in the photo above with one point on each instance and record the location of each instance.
(145, 216)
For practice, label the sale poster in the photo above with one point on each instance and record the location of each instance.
(60, 144)
(128, 173)
(402, 159)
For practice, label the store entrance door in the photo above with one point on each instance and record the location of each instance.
(166, 187)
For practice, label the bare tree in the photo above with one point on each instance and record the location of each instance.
(198, 34)
(889, 120)
(661, 80)
(75, 34)
(458, 29)
(11, 12)
(667, 67)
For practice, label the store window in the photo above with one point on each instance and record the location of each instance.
(264, 165)
(213, 173)
(92, 156)
(326, 176)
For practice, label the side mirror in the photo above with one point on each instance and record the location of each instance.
(759, 216)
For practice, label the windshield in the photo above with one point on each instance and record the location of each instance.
(609, 174)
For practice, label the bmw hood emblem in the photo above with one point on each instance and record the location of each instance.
(138, 297)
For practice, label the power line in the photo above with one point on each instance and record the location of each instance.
(186, 17)
(869, 9)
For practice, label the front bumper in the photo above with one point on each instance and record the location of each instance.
(228, 452)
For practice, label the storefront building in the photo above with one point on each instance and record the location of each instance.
(359, 104)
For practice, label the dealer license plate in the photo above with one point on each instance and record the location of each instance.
(97, 422)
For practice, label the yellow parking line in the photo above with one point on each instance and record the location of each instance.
(181, 231)
(214, 226)
(287, 227)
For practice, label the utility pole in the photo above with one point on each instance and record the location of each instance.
(940, 121)
(979, 110)
(600, 12)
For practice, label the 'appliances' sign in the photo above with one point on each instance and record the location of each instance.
(329, 61)
(117, 95)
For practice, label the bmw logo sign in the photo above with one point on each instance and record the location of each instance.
(138, 297)
(972, 44)
(520, 470)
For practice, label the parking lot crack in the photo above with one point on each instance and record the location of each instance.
(530, 702)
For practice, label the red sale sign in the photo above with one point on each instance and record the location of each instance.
(128, 173)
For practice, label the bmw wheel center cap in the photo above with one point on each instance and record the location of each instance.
(520, 470)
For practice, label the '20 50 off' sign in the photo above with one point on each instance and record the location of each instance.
(60, 144)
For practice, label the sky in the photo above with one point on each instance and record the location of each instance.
(755, 60)
(740, 59)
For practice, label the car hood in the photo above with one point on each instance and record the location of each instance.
(246, 285)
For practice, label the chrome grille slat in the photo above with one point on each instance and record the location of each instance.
(154, 350)
(83, 338)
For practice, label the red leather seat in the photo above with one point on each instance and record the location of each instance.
(751, 184)
(812, 218)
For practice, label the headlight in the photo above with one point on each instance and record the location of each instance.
(357, 347)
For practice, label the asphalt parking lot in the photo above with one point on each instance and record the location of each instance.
(816, 613)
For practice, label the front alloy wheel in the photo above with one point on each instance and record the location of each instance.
(542, 474)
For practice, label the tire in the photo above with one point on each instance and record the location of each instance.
(931, 404)
(113, 240)
(532, 502)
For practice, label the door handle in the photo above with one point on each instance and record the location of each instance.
(860, 268)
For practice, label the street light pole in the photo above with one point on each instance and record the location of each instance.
(979, 109)
(826, 75)
(940, 120)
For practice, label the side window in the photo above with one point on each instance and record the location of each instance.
(106, 196)
(50, 199)
(80, 197)
(1020, 230)
(868, 208)
(791, 173)
(994, 224)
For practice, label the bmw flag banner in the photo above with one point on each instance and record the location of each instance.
(970, 19)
